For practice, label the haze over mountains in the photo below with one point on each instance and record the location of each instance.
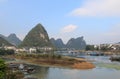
(3, 42)
(38, 37)
(78, 43)
(57, 43)
(12, 38)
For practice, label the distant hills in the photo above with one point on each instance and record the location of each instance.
(12, 39)
(2, 36)
(57, 43)
(3, 42)
(37, 37)
(78, 43)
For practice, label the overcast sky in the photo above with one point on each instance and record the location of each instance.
(97, 20)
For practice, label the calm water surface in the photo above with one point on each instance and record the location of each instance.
(104, 70)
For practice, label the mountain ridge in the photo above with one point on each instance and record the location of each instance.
(58, 43)
(4, 42)
(36, 37)
(73, 43)
(12, 38)
(78, 43)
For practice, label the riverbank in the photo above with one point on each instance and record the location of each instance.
(64, 61)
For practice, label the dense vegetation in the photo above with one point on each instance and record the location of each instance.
(90, 47)
(2, 69)
(6, 52)
(7, 73)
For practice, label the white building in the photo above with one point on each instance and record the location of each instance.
(9, 47)
(32, 50)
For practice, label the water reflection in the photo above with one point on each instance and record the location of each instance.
(100, 72)
(40, 73)
(104, 61)
(105, 69)
(58, 73)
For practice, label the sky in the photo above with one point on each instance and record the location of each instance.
(97, 20)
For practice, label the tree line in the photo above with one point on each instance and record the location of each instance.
(6, 52)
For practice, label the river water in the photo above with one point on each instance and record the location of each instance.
(105, 69)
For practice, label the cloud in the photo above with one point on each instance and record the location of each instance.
(66, 32)
(68, 28)
(98, 8)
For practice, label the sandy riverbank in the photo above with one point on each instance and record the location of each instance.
(67, 62)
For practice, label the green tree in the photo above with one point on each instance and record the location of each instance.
(2, 69)
(104, 48)
(90, 47)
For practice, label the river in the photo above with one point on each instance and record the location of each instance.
(105, 69)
